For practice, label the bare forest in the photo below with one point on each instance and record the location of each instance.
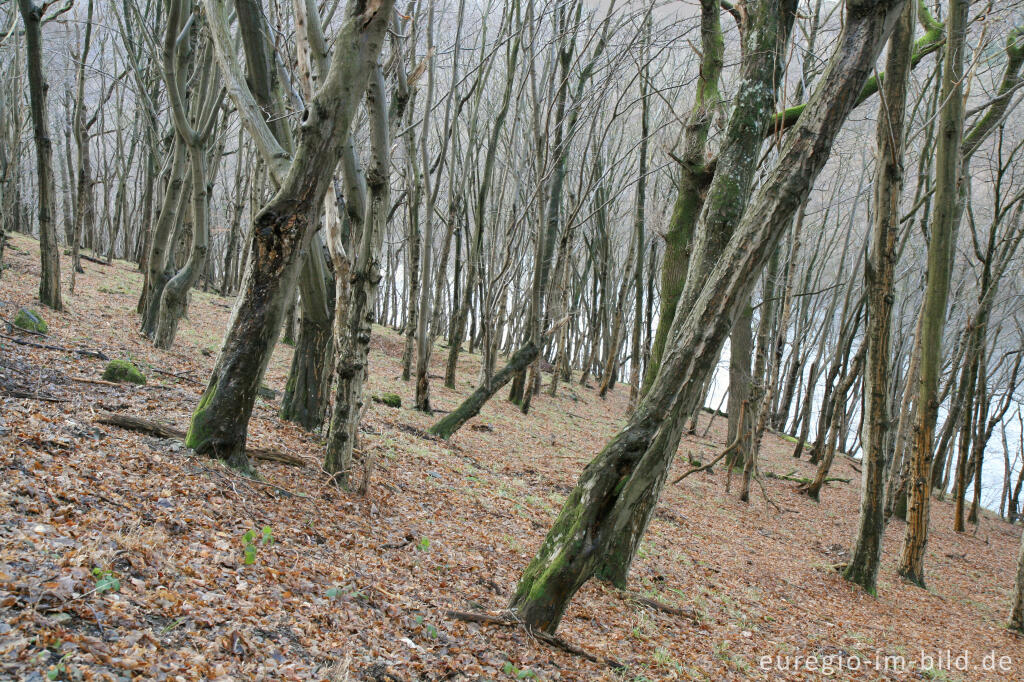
(459, 339)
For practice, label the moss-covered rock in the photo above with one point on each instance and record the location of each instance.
(389, 399)
(30, 320)
(122, 371)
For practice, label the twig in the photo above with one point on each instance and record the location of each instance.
(181, 376)
(735, 444)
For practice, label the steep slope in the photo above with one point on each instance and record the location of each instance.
(123, 555)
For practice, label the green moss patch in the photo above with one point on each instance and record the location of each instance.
(30, 320)
(389, 399)
(122, 371)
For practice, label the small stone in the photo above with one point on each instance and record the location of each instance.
(30, 320)
(121, 371)
(389, 399)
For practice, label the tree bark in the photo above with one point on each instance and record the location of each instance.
(49, 249)
(880, 266)
(597, 516)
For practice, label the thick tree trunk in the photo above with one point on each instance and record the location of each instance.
(598, 513)
(305, 397)
(281, 231)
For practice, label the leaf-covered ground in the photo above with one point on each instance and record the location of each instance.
(123, 556)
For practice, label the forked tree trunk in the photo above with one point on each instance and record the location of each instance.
(357, 284)
(597, 517)
(281, 229)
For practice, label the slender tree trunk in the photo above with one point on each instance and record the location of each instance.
(49, 249)
(880, 267)
(944, 225)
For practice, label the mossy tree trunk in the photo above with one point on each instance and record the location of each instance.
(281, 230)
(598, 513)
(694, 178)
(880, 267)
(471, 406)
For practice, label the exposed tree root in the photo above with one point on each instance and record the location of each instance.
(549, 639)
(661, 606)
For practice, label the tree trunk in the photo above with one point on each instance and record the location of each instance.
(49, 249)
(470, 407)
(281, 230)
(880, 266)
(597, 521)
(944, 226)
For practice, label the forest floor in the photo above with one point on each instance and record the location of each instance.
(122, 555)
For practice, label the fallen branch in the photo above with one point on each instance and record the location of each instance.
(803, 480)
(78, 351)
(182, 376)
(735, 444)
(22, 395)
(663, 607)
(84, 257)
(114, 384)
(547, 638)
(164, 430)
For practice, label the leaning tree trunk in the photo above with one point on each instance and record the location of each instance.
(49, 250)
(281, 229)
(470, 407)
(598, 513)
